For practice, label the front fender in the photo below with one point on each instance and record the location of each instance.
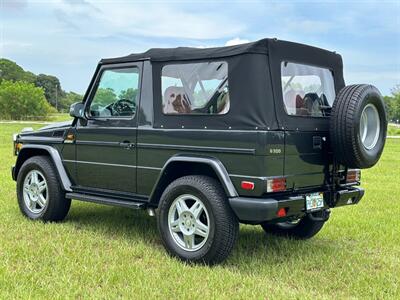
(29, 150)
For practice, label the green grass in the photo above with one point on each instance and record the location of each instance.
(393, 130)
(105, 252)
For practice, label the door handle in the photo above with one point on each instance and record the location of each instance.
(317, 142)
(127, 145)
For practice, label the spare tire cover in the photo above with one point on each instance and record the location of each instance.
(358, 126)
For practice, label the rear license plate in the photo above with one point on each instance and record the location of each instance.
(314, 201)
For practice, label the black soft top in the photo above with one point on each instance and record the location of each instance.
(254, 72)
(190, 53)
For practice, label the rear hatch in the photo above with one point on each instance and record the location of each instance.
(307, 159)
(308, 94)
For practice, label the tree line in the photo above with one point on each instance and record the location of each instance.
(393, 105)
(24, 94)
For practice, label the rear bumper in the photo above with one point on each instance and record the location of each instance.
(257, 210)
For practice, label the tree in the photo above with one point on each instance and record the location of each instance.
(51, 86)
(128, 94)
(20, 100)
(104, 97)
(69, 98)
(9, 70)
(393, 104)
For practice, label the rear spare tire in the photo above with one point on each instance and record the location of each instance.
(358, 126)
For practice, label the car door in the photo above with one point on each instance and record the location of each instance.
(106, 140)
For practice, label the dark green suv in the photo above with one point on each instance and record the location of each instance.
(261, 133)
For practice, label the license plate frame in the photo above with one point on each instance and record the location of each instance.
(314, 201)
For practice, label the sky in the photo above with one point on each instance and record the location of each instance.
(67, 38)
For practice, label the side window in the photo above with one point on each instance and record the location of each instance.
(307, 90)
(116, 94)
(195, 88)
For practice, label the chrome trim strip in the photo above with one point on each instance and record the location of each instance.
(196, 148)
(108, 164)
(98, 143)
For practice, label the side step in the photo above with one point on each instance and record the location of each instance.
(106, 200)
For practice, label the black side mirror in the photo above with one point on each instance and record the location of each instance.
(76, 110)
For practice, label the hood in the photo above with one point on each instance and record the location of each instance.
(57, 125)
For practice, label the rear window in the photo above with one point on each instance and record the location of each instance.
(307, 90)
(195, 88)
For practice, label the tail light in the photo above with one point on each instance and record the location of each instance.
(247, 185)
(277, 184)
(353, 175)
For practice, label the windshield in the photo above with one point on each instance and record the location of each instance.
(307, 90)
(195, 88)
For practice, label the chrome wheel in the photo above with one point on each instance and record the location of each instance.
(369, 126)
(189, 222)
(35, 191)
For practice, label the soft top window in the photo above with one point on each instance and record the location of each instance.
(195, 88)
(307, 90)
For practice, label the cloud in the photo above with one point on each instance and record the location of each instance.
(144, 19)
(236, 41)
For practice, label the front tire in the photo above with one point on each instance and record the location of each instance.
(195, 221)
(39, 192)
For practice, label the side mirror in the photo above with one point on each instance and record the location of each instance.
(76, 110)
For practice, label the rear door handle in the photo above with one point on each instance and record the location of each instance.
(127, 145)
(317, 142)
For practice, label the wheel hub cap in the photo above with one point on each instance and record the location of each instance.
(369, 126)
(35, 191)
(188, 222)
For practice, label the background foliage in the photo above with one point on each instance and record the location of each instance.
(50, 85)
(20, 99)
(393, 105)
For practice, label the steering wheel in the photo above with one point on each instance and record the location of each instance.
(123, 107)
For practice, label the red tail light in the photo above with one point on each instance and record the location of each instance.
(247, 185)
(353, 175)
(277, 184)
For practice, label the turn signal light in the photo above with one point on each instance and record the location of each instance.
(247, 185)
(277, 184)
(353, 175)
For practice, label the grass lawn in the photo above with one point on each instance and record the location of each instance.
(393, 130)
(105, 252)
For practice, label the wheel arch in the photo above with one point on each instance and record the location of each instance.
(28, 151)
(182, 165)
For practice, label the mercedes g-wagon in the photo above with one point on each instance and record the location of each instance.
(260, 133)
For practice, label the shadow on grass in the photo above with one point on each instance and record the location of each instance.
(254, 246)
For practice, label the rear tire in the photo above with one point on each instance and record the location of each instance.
(305, 228)
(39, 192)
(197, 206)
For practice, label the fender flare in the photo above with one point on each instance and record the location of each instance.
(213, 162)
(55, 157)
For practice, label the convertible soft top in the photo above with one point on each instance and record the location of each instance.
(254, 72)
(189, 53)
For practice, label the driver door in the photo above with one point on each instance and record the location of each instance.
(106, 141)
